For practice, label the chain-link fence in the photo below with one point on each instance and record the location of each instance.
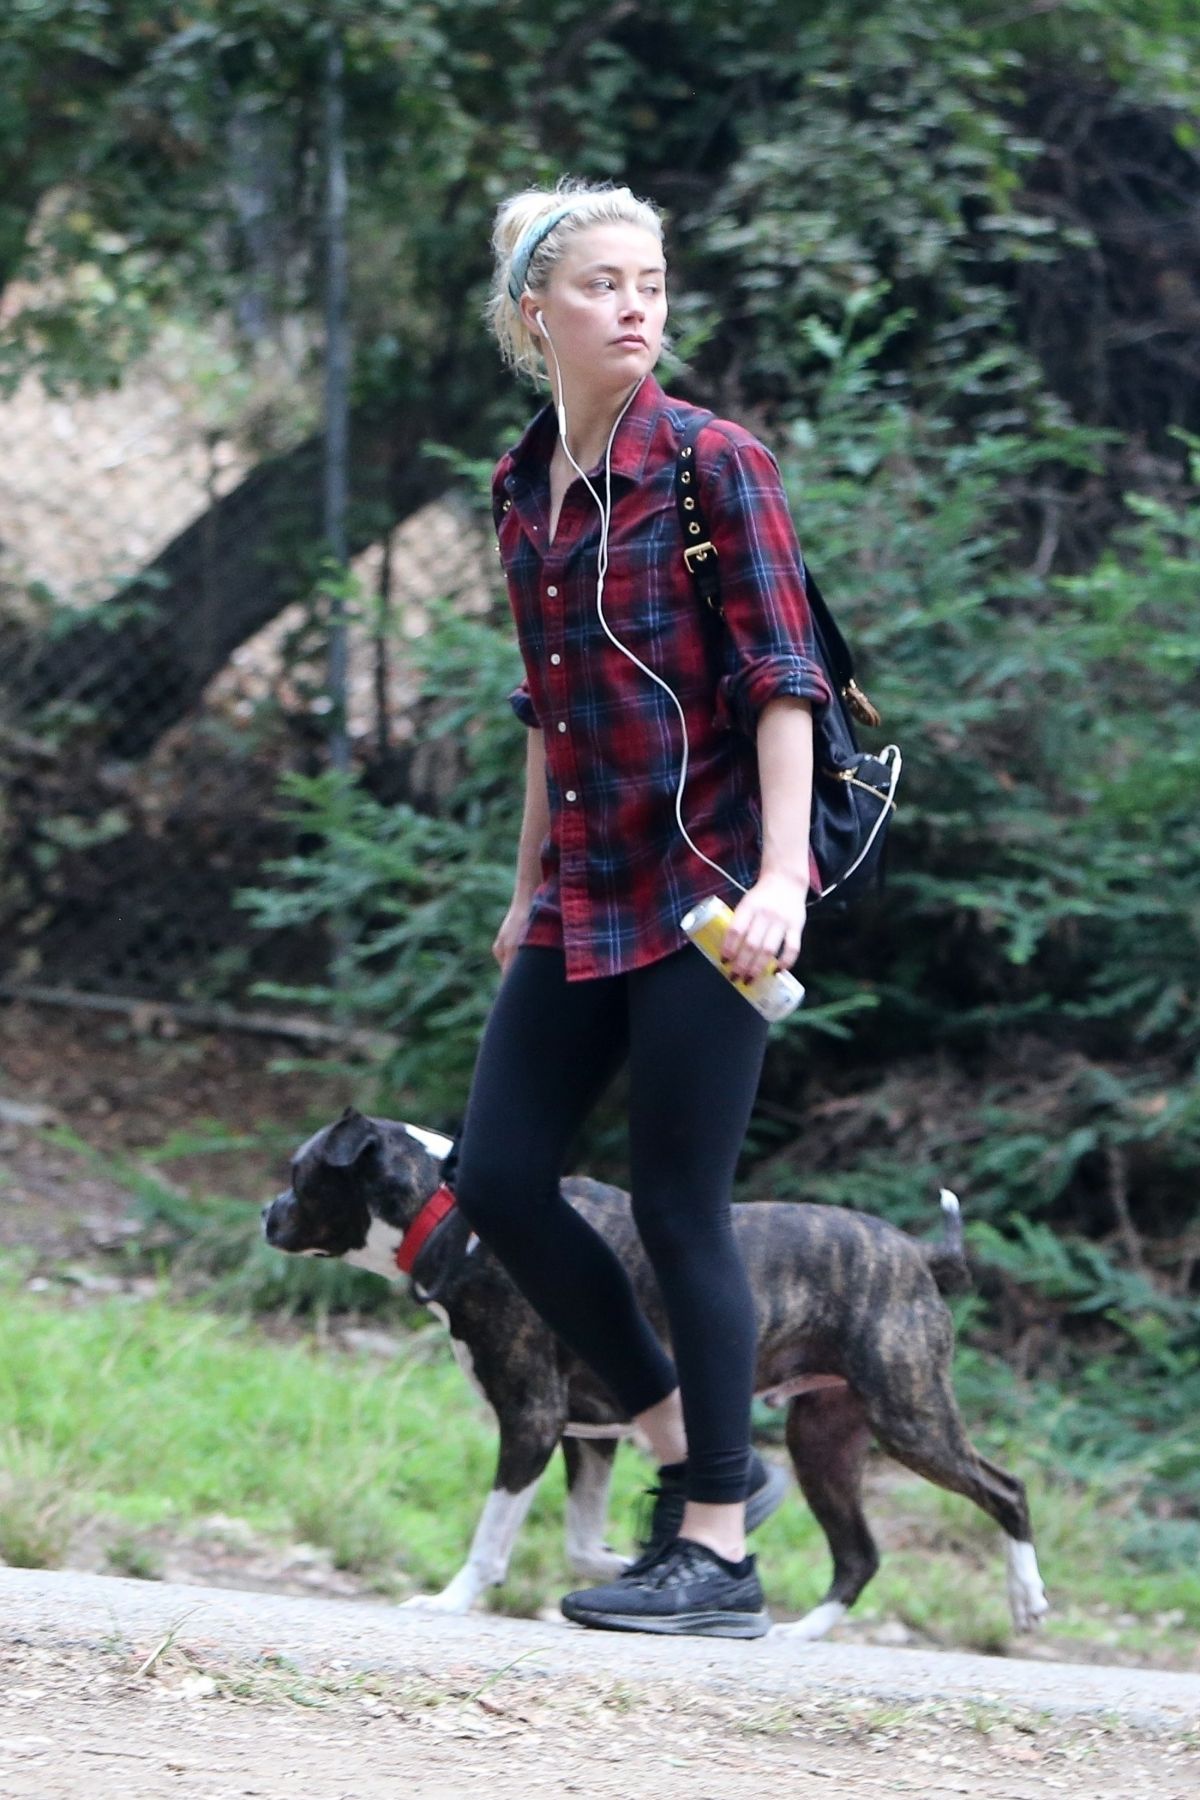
(163, 659)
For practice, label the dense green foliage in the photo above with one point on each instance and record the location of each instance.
(876, 152)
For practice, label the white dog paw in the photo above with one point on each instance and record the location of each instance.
(814, 1624)
(447, 1601)
(598, 1564)
(1028, 1610)
(1026, 1594)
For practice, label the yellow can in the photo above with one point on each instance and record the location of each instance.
(775, 994)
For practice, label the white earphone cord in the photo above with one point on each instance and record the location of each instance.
(890, 753)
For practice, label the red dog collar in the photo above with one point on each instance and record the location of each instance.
(439, 1203)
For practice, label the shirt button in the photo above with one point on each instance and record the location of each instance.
(553, 592)
(562, 724)
(571, 794)
(555, 657)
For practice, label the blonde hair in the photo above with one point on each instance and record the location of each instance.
(590, 203)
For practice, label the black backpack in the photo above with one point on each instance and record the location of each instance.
(853, 791)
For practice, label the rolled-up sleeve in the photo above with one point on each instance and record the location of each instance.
(771, 649)
(523, 706)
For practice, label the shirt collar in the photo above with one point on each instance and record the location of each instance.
(631, 446)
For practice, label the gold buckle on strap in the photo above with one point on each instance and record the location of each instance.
(699, 551)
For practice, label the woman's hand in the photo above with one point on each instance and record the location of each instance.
(768, 922)
(509, 935)
(767, 926)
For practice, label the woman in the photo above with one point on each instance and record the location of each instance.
(620, 661)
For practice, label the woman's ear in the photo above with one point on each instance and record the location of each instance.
(529, 312)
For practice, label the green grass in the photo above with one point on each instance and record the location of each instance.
(37, 1506)
(152, 1414)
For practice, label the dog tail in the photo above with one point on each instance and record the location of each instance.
(946, 1256)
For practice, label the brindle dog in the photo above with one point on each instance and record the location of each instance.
(853, 1337)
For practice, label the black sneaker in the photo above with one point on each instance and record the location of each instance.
(767, 1484)
(687, 1590)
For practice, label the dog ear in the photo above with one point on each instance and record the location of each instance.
(348, 1138)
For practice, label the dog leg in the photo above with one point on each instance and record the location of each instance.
(827, 1437)
(932, 1440)
(589, 1473)
(531, 1423)
(487, 1560)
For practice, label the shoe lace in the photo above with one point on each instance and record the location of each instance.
(674, 1564)
(660, 1514)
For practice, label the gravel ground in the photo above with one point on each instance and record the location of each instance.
(139, 1690)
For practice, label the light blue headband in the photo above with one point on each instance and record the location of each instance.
(524, 253)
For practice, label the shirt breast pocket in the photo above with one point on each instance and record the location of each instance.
(646, 603)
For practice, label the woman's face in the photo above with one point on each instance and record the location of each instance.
(605, 307)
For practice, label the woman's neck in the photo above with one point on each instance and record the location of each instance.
(590, 419)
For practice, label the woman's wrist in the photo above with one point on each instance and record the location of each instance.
(789, 872)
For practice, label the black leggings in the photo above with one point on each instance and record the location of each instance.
(695, 1049)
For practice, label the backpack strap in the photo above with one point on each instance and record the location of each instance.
(698, 551)
(701, 558)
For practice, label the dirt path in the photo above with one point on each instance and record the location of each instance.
(136, 1690)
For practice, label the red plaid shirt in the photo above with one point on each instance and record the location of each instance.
(617, 874)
